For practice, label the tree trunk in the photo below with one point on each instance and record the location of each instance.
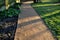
(34, 1)
(7, 4)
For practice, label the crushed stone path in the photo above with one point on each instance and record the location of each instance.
(30, 26)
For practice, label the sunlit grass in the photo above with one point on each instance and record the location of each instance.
(50, 13)
(44, 5)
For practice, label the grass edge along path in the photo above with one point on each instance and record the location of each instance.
(51, 19)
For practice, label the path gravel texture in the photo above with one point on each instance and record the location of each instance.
(30, 26)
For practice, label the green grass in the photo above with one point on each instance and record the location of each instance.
(50, 13)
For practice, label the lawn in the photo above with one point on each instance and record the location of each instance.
(50, 13)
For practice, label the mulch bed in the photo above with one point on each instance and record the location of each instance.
(7, 28)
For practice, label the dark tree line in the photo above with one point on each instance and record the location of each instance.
(35, 1)
(59, 1)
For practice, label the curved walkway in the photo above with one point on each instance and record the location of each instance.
(30, 26)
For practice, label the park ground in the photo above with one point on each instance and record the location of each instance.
(50, 13)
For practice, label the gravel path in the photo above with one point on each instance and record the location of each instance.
(30, 26)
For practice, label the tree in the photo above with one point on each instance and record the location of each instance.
(34, 1)
(6, 3)
(59, 1)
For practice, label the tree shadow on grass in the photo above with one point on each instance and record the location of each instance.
(52, 21)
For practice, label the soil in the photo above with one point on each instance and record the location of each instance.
(7, 28)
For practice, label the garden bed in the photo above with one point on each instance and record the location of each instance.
(8, 22)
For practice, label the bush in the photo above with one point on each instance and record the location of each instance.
(11, 12)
